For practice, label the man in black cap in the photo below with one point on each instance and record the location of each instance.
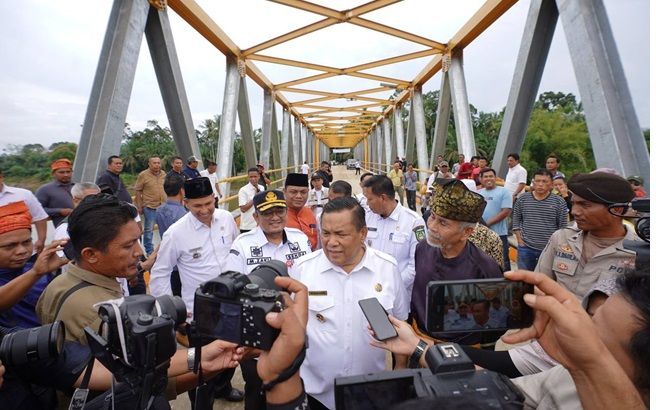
(190, 170)
(298, 215)
(198, 244)
(270, 240)
(446, 253)
(592, 250)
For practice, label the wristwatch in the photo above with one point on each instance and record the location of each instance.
(413, 363)
(191, 358)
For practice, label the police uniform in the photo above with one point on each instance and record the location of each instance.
(251, 249)
(397, 235)
(198, 250)
(338, 339)
(560, 260)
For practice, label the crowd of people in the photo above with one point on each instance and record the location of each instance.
(340, 248)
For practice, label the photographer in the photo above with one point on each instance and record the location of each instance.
(604, 356)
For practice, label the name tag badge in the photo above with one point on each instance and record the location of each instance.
(318, 293)
(195, 252)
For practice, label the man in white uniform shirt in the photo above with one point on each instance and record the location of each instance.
(270, 240)
(305, 168)
(392, 228)
(318, 195)
(246, 194)
(345, 271)
(210, 172)
(516, 177)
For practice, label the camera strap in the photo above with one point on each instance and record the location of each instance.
(79, 398)
(288, 372)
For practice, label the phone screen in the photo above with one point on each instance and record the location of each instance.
(477, 305)
(377, 318)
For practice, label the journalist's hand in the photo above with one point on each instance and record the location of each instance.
(2, 373)
(403, 344)
(291, 322)
(48, 261)
(220, 355)
(561, 325)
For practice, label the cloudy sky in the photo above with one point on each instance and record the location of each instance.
(50, 50)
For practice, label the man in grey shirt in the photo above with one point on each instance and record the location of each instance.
(55, 196)
(111, 178)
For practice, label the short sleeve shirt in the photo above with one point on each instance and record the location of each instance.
(516, 175)
(246, 194)
(152, 188)
(10, 194)
(251, 249)
(497, 199)
(395, 176)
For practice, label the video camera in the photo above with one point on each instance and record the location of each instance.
(637, 209)
(232, 307)
(451, 376)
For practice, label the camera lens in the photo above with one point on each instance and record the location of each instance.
(31, 345)
(264, 274)
(173, 307)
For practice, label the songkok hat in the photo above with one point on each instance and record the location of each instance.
(269, 199)
(198, 188)
(636, 178)
(453, 200)
(316, 175)
(601, 187)
(296, 180)
(61, 163)
(14, 216)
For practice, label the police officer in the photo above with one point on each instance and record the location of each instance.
(392, 228)
(269, 240)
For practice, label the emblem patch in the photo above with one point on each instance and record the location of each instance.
(420, 233)
(566, 248)
(562, 266)
(256, 251)
(294, 246)
(378, 287)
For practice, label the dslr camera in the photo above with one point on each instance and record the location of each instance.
(233, 306)
(452, 379)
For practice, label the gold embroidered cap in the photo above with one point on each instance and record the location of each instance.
(452, 200)
(268, 199)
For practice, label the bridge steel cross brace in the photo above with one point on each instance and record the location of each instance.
(246, 125)
(297, 143)
(302, 145)
(268, 113)
(533, 51)
(171, 86)
(228, 122)
(617, 140)
(379, 149)
(275, 139)
(441, 120)
(420, 132)
(398, 131)
(460, 102)
(387, 140)
(410, 137)
(285, 141)
(104, 120)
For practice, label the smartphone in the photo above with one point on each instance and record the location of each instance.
(377, 318)
(477, 305)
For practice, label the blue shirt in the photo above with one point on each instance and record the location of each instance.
(190, 172)
(22, 314)
(497, 199)
(167, 214)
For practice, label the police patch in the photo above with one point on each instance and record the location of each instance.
(566, 248)
(256, 251)
(420, 233)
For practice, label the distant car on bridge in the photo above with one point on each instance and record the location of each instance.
(350, 163)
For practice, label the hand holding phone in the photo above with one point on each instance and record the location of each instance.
(377, 318)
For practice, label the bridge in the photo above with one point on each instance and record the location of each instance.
(368, 118)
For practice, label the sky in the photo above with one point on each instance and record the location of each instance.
(50, 51)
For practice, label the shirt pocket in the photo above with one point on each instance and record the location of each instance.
(400, 241)
(323, 313)
(372, 236)
(564, 267)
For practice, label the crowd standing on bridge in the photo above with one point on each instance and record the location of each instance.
(340, 249)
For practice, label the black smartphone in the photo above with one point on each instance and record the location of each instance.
(377, 318)
(477, 305)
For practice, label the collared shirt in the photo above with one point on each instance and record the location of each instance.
(54, 196)
(251, 249)
(538, 219)
(213, 180)
(363, 201)
(10, 194)
(516, 175)
(174, 172)
(246, 195)
(198, 250)
(115, 183)
(317, 198)
(561, 260)
(191, 173)
(395, 176)
(305, 169)
(167, 214)
(550, 389)
(410, 181)
(77, 311)
(338, 340)
(22, 314)
(471, 263)
(398, 236)
(497, 198)
(152, 188)
(305, 221)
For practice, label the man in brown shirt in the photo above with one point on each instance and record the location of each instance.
(149, 196)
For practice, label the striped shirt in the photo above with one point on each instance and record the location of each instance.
(537, 220)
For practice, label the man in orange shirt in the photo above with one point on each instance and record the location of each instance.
(298, 215)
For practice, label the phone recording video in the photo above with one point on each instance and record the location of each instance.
(477, 306)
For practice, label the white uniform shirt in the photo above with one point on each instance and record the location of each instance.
(398, 236)
(10, 194)
(251, 249)
(213, 179)
(319, 198)
(198, 251)
(305, 169)
(363, 201)
(338, 339)
(246, 194)
(516, 175)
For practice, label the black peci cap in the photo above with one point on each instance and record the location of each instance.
(198, 188)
